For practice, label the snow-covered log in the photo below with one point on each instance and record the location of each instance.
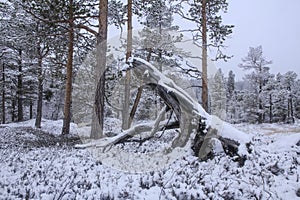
(209, 130)
(191, 114)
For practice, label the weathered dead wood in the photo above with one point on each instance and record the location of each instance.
(138, 129)
(183, 105)
(153, 77)
(121, 137)
(190, 115)
(203, 146)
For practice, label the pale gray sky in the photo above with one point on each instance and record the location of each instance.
(274, 24)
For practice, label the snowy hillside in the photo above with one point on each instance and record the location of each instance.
(38, 165)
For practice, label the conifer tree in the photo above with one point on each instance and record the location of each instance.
(258, 78)
(209, 30)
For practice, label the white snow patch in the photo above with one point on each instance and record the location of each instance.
(49, 126)
(271, 171)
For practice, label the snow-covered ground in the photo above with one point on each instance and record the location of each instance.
(38, 164)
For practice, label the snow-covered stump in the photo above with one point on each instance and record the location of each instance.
(210, 135)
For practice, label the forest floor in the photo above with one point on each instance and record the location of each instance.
(40, 164)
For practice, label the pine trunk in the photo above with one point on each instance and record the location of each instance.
(125, 113)
(204, 58)
(3, 95)
(13, 108)
(98, 110)
(20, 89)
(260, 106)
(39, 108)
(68, 92)
(292, 111)
(135, 104)
(30, 109)
(260, 109)
(271, 109)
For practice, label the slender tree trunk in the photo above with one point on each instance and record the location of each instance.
(136, 103)
(20, 89)
(260, 106)
(292, 111)
(138, 95)
(98, 110)
(204, 58)
(13, 108)
(233, 113)
(157, 99)
(282, 109)
(160, 50)
(125, 113)
(3, 95)
(68, 92)
(39, 108)
(288, 109)
(271, 109)
(30, 109)
(260, 114)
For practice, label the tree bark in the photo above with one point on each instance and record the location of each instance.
(271, 109)
(260, 114)
(3, 95)
(204, 58)
(13, 108)
(260, 106)
(290, 115)
(20, 88)
(292, 111)
(125, 113)
(39, 108)
(98, 110)
(30, 109)
(135, 104)
(68, 92)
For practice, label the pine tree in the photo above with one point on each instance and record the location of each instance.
(210, 30)
(70, 14)
(218, 95)
(296, 90)
(17, 59)
(230, 95)
(279, 100)
(289, 83)
(269, 90)
(258, 78)
(230, 84)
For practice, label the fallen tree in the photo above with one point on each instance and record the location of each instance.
(209, 132)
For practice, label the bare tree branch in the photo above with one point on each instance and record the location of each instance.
(87, 29)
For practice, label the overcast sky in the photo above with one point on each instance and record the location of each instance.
(274, 24)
